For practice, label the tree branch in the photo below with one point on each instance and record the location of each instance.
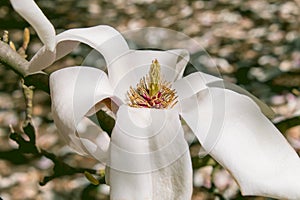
(13, 60)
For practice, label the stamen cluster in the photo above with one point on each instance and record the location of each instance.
(152, 92)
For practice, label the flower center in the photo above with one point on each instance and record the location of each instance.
(152, 91)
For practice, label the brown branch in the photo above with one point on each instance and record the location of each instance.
(13, 60)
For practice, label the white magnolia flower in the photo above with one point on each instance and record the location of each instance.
(147, 156)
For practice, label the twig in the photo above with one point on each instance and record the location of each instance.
(13, 60)
(60, 168)
(28, 94)
(10, 58)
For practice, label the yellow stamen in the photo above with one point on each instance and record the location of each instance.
(154, 74)
(152, 92)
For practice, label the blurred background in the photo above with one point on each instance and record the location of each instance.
(254, 43)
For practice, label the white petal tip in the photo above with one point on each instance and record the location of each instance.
(51, 44)
(30, 11)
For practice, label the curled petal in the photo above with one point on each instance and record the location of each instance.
(232, 129)
(105, 39)
(74, 92)
(129, 68)
(149, 158)
(89, 139)
(265, 109)
(195, 82)
(191, 85)
(183, 56)
(36, 18)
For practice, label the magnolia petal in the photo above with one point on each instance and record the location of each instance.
(105, 39)
(198, 81)
(183, 58)
(36, 18)
(89, 139)
(149, 158)
(129, 68)
(265, 109)
(190, 85)
(74, 92)
(233, 130)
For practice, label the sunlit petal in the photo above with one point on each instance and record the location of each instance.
(102, 38)
(74, 92)
(232, 129)
(36, 18)
(149, 158)
(265, 109)
(198, 81)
